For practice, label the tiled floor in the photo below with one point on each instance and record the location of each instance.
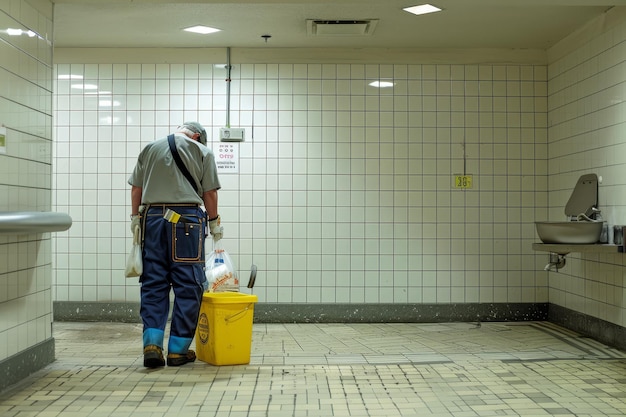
(457, 369)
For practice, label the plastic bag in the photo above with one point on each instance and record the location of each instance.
(220, 272)
(134, 263)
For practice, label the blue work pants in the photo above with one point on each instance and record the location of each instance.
(173, 258)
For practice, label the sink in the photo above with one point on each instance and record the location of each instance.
(569, 232)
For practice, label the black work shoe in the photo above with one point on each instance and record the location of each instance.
(153, 356)
(177, 359)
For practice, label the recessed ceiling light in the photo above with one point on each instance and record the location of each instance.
(203, 30)
(381, 84)
(18, 32)
(422, 9)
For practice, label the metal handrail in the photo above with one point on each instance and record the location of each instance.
(27, 222)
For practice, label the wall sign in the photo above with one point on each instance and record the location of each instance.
(226, 158)
(463, 181)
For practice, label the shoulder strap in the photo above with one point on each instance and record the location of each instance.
(179, 162)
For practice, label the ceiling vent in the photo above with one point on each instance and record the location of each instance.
(320, 27)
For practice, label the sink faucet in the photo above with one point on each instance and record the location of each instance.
(595, 213)
(595, 216)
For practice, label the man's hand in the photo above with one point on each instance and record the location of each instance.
(135, 222)
(215, 229)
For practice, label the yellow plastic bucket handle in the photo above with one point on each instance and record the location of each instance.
(227, 318)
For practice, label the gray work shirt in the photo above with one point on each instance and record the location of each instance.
(161, 181)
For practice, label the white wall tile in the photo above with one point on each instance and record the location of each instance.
(25, 273)
(348, 174)
(582, 115)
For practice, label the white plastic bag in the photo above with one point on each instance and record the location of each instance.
(134, 263)
(220, 272)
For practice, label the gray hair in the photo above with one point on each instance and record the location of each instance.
(186, 131)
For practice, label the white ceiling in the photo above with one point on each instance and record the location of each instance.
(516, 24)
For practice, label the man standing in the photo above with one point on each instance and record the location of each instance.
(173, 178)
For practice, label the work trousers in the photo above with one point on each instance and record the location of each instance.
(173, 258)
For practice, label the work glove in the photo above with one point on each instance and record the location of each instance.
(135, 222)
(215, 229)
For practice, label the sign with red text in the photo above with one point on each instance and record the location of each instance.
(226, 158)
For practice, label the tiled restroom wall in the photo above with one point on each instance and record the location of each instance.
(587, 134)
(344, 192)
(25, 180)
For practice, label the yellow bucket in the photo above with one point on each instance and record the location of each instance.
(224, 332)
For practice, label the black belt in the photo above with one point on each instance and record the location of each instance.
(162, 207)
(173, 205)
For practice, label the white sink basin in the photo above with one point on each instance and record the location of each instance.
(572, 232)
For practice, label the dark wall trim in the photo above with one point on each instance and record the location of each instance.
(96, 311)
(603, 331)
(19, 366)
(327, 313)
(397, 313)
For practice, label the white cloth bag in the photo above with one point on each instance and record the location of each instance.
(134, 263)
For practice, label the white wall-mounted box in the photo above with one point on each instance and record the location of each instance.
(232, 134)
